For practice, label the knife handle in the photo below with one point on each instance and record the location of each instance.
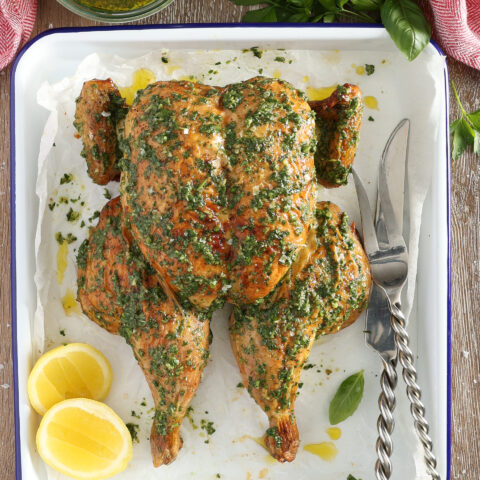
(414, 392)
(386, 423)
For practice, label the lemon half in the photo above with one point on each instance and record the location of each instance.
(84, 439)
(71, 371)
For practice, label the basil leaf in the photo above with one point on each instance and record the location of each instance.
(347, 399)
(351, 477)
(407, 26)
(298, 18)
(366, 5)
(474, 117)
(301, 3)
(453, 126)
(328, 4)
(261, 15)
(282, 14)
(463, 135)
(329, 18)
(248, 2)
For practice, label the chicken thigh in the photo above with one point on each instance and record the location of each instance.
(325, 291)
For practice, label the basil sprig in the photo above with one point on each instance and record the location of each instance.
(403, 19)
(465, 130)
(347, 399)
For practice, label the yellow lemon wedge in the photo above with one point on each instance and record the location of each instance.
(72, 371)
(84, 439)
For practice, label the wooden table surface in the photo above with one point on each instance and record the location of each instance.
(465, 247)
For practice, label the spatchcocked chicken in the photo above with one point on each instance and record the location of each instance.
(218, 204)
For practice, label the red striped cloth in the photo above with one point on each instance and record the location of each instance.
(456, 27)
(16, 23)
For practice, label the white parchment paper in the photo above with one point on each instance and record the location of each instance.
(231, 451)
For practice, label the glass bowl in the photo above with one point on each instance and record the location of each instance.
(114, 16)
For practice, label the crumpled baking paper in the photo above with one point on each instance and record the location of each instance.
(233, 451)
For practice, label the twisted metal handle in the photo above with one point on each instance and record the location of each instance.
(414, 393)
(386, 423)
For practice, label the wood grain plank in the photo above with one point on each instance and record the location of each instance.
(465, 246)
(465, 289)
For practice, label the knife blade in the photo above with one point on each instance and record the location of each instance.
(379, 334)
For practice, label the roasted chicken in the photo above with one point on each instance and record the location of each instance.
(218, 203)
(122, 293)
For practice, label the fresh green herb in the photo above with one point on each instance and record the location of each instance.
(370, 69)
(403, 19)
(347, 398)
(61, 239)
(465, 130)
(407, 26)
(240, 385)
(95, 215)
(255, 50)
(351, 477)
(164, 59)
(371, 119)
(62, 332)
(133, 429)
(280, 59)
(107, 194)
(72, 215)
(67, 178)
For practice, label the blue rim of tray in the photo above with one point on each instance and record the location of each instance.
(13, 283)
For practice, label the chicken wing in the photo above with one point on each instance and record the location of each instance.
(338, 120)
(119, 291)
(99, 109)
(326, 290)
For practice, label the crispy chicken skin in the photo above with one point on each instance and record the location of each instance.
(269, 140)
(218, 185)
(119, 291)
(326, 290)
(338, 120)
(99, 108)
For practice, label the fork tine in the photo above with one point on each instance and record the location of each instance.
(387, 215)
(369, 236)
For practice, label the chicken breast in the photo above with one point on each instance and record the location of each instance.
(174, 187)
(269, 141)
(326, 290)
(119, 291)
(99, 109)
(219, 185)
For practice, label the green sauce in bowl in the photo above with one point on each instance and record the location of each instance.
(115, 5)
(115, 11)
